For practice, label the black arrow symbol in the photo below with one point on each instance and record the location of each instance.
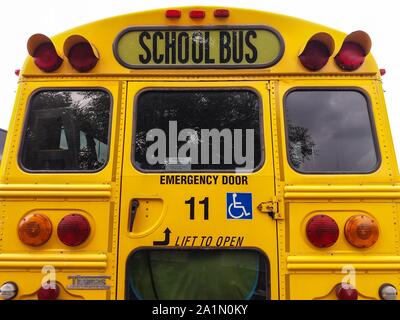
(164, 242)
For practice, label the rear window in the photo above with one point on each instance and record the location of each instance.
(67, 130)
(218, 274)
(330, 131)
(198, 130)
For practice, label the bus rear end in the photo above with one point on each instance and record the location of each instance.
(199, 154)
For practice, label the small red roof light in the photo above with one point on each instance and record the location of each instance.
(197, 14)
(17, 72)
(382, 72)
(173, 13)
(221, 13)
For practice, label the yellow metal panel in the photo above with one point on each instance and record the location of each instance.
(300, 212)
(95, 196)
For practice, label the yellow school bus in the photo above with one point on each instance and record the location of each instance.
(200, 153)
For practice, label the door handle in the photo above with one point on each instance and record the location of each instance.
(132, 215)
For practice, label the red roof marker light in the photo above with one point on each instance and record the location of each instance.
(221, 13)
(173, 13)
(197, 14)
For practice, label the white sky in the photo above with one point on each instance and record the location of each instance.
(19, 19)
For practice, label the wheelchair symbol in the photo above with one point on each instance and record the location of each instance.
(239, 209)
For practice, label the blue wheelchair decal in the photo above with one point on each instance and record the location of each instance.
(239, 206)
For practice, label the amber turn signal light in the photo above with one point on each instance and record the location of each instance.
(34, 229)
(361, 231)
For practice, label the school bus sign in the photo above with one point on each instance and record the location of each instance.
(187, 47)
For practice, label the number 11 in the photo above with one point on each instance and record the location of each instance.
(204, 202)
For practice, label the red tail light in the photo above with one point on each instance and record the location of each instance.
(221, 13)
(317, 51)
(322, 231)
(346, 291)
(173, 13)
(73, 230)
(197, 14)
(48, 294)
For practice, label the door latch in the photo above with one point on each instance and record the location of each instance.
(272, 208)
(132, 215)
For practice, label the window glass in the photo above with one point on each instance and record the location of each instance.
(198, 130)
(330, 131)
(3, 136)
(67, 131)
(197, 275)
